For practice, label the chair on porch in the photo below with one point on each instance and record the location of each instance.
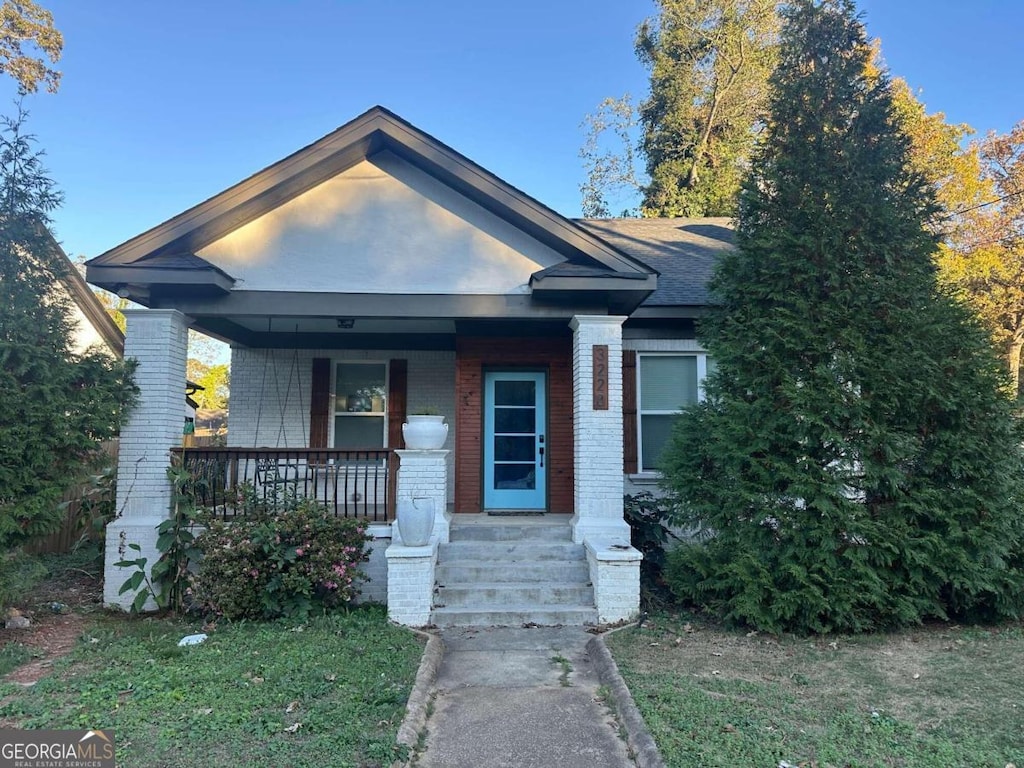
(274, 475)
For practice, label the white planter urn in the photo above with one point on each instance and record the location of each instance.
(415, 520)
(425, 433)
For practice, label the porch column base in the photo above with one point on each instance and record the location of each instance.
(615, 574)
(411, 583)
(120, 533)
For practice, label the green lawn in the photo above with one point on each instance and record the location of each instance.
(331, 692)
(944, 697)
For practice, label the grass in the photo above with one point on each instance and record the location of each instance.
(943, 696)
(332, 692)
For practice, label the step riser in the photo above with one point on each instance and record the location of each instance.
(510, 552)
(498, 574)
(443, 617)
(488, 532)
(491, 599)
(458, 574)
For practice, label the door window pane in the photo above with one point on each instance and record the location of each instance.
(515, 420)
(514, 448)
(514, 393)
(514, 477)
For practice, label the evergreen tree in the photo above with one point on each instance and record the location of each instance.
(57, 405)
(855, 464)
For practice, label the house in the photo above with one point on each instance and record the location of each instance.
(377, 272)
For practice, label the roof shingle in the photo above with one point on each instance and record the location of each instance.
(683, 251)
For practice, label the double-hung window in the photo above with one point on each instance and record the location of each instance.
(360, 405)
(666, 383)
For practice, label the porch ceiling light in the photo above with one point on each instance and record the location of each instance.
(346, 322)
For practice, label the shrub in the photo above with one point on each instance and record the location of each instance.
(290, 564)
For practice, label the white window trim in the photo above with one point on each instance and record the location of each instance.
(334, 394)
(650, 475)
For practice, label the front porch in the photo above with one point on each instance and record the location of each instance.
(370, 276)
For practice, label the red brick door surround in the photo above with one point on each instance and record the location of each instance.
(474, 355)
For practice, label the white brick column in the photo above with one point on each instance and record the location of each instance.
(158, 340)
(597, 434)
(421, 474)
(424, 474)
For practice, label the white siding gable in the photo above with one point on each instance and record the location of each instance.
(381, 226)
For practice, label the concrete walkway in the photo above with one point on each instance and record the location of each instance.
(519, 698)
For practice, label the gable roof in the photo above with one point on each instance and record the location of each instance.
(166, 254)
(683, 251)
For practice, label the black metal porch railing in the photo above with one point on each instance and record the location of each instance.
(350, 483)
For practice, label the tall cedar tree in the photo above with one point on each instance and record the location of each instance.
(855, 464)
(57, 405)
(709, 63)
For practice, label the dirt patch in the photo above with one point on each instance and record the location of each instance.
(49, 638)
(58, 609)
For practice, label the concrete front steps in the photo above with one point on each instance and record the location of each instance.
(510, 572)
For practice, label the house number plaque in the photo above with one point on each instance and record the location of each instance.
(600, 377)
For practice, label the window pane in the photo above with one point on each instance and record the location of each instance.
(514, 476)
(514, 393)
(358, 431)
(360, 387)
(516, 420)
(654, 432)
(667, 383)
(514, 448)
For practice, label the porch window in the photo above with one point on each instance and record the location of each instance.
(666, 383)
(360, 405)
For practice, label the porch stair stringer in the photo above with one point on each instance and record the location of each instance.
(512, 573)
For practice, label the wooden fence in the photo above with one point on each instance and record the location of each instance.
(72, 530)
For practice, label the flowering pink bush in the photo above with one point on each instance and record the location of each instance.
(294, 563)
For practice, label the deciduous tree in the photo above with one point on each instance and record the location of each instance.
(984, 260)
(28, 40)
(855, 464)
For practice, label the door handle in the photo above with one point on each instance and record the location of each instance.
(542, 457)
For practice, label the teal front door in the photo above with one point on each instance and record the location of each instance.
(515, 414)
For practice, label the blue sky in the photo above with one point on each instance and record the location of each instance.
(164, 104)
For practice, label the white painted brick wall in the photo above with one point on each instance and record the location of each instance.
(270, 393)
(597, 435)
(158, 340)
(410, 583)
(376, 589)
(616, 585)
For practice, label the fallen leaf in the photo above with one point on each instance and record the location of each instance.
(293, 728)
(716, 653)
(916, 676)
(715, 672)
(330, 678)
(292, 706)
(257, 680)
